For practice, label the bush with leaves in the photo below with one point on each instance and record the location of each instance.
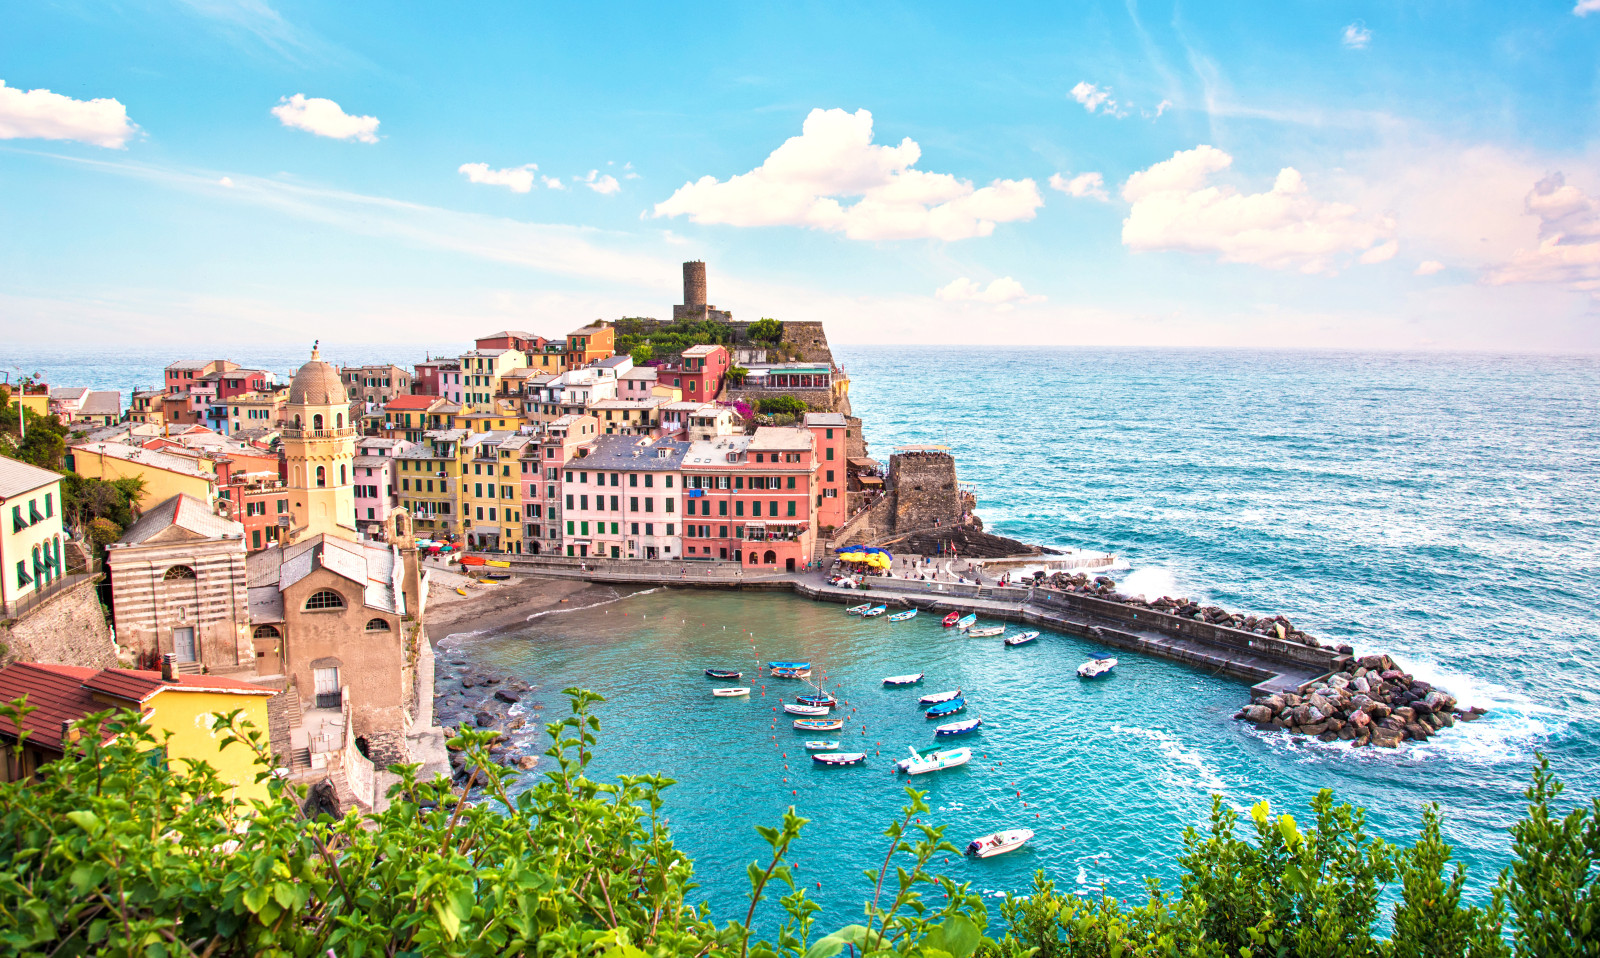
(784, 405)
(765, 330)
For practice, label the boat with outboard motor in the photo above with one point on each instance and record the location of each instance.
(987, 632)
(951, 619)
(902, 616)
(919, 763)
(812, 711)
(1096, 668)
(998, 843)
(819, 724)
(938, 697)
(965, 622)
(912, 679)
(838, 758)
(958, 728)
(723, 673)
(731, 693)
(1021, 638)
(946, 708)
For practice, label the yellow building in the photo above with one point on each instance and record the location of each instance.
(180, 708)
(552, 360)
(319, 449)
(490, 491)
(427, 478)
(482, 371)
(145, 407)
(30, 533)
(164, 475)
(256, 410)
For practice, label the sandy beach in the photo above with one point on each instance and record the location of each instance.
(498, 606)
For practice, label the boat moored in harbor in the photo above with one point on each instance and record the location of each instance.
(919, 763)
(814, 711)
(958, 728)
(987, 632)
(998, 843)
(730, 692)
(951, 619)
(1021, 638)
(816, 698)
(819, 724)
(785, 673)
(902, 616)
(723, 673)
(839, 758)
(912, 679)
(875, 610)
(938, 697)
(819, 746)
(1096, 668)
(965, 622)
(946, 708)
(858, 609)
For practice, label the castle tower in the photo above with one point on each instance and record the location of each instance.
(694, 285)
(319, 449)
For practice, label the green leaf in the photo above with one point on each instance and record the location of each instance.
(957, 934)
(255, 898)
(88, 821)
(833, 944)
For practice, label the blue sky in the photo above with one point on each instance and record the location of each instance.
(1322, 174)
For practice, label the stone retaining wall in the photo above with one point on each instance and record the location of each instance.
(68, 628)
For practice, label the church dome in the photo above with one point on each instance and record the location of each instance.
(317, 384)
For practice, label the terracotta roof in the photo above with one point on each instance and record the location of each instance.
(58, 693)
(317, 384)
(141, 686)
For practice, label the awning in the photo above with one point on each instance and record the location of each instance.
(869, 480)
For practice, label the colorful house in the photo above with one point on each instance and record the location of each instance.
(830, 432)
(30, 533)
(593, 342)
(165, 475)
(699, 373)
(748, 499)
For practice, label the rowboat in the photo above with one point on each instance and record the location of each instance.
(788, 665)
(902, 616)
(498, 563)
(813, 711)
(965, 622)
(919, 763)
(903, 679)
(723, 673)
(460, 591)
(819, 724)
(946, 708)
(816, 698)
(1021, 638)
(791, 673)
(497, 576)
(958, 728)
(938, 697)
(998, 843)
(952, 619)
(1095, 668)
(988, 631)
(859, 609)
(730, 693)
(822, 746)
(839, 758)
(875, 610)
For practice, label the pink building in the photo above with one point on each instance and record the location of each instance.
(699, 373)
(374, 482)
(829, 431)
(430, 378)
(542, 480)
(749, 499)
(620, 499)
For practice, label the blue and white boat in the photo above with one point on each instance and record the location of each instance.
(959, 728)
(965, 622)
(811, 711)
(839, 758)
(938, 697)
(816, 698)
(912, 679)
(875, 610)
(946, 708)
(819, 724)
(1096, 668)
(782, 673)
(902, 616)
(822, 746)
(1021, 638)
(858, 609)
(788, 665)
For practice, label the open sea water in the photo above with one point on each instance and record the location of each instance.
(1442, 508)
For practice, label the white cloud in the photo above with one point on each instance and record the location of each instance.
(1428, 267)
(1569, 239)
(1381, 253)
(1089, 186)
(1356, 36)
(553, 182)
(1004, 292)
(325, 118)
(42, 115)
(1586, 7)
(518, 179)
(803, 182)
(1094, 98)
(1162, 108)
(225, 181)
(604, 185)
(1173, 208)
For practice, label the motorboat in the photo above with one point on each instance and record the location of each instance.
(1096, 668)
(998, 843)
(951, 619)
(919, 763)
(858, 609)
(938, 697)
(946, 708)
(723, 673)
(958, 728)
(912, 679)
(1021, 638)
(875, 610)
(822, 746)
(902, 616)
(838, 758)
(782, 673)
(811, 711)
(816, 698)
(988, 631)
(788, 665)
(819, 724)
(730, 693)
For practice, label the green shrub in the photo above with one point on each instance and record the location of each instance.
(782, 406)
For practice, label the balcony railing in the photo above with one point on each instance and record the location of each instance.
(347, 432)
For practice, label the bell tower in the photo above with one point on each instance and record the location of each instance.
(319, 451)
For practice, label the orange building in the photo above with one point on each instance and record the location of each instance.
(593, 342)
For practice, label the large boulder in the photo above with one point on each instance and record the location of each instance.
(1417, 731)
(507, 696)
(484, 719)
(1314, 728)
(1387, 738)
(1406, 714)
(1258, 714)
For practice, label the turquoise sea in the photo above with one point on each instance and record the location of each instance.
(1443, 508)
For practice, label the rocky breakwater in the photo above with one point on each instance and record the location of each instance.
(468, 695)
(1373, 703)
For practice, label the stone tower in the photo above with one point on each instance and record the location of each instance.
(694, 284)
(319, 449)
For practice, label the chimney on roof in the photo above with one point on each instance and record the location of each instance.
(69, 735)
(169, 667)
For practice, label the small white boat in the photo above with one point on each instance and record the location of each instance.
(1095, 668)
(819, 724)
(875, 610)
(958, 728)
(730, 693)
(902, 616)
(1021, 638)
(783, 673)
(912, 679)
(998, 843)
(810, 711)
(987, 631)
(859, 609)
(822, 746)
(838, 758)
(966, 622)
(919, 763)
(938, 697)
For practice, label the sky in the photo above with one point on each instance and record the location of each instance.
(1348, 175)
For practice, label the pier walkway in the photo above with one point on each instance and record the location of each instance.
(1270, 664)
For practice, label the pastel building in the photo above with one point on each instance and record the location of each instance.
(593, 342)
(559, 444)
(30, 533)
(830, 432)
(748, 499)
(620, 499)
(699, 372)
(375, 483)
(481, 372)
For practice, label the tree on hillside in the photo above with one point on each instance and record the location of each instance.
(642, 353)
(765, 330)
(782, 406)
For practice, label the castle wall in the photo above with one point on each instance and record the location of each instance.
(925, 490)
(68, 628)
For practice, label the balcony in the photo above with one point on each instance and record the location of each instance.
(290, 432)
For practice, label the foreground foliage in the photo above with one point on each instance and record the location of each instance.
(111, 853)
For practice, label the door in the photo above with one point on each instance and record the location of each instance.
(789, 565)
(327, 687)
(183, 643)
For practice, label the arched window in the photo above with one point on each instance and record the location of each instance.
(377, 625)
(326, 599)
(341, 476)
(316, 421)
(267, 632)
(322, 476)
(297, 422)
(338, 419)
(178, 572)
(770, 558)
